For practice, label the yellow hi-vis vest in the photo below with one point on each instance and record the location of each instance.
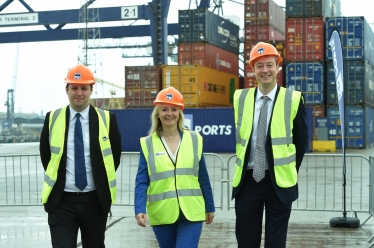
(57, 126)
(173, 187)
(284, 151)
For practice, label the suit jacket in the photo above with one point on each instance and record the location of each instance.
(97, 163)
(300, 139)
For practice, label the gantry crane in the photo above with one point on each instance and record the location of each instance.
(113, 102)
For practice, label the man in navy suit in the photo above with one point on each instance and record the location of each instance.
(266, 170)
(80, 184)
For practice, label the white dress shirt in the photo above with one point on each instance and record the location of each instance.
(70, 165)
(258, 105)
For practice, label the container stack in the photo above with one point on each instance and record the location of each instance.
(208, 63)
(305, 54)
(264, 21)
(358, 59)
(142, 83)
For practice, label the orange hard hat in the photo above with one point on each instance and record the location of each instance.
(80, 74)
(263, 49)
(170, 96)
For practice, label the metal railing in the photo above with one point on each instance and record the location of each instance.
(320, 181)
(21, 179)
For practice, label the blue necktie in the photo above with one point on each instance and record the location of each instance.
(80, 165)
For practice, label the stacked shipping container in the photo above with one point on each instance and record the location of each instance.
(208, 63)
(264, 21)
(358, 59)
(305, 53)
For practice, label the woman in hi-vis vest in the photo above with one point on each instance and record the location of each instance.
(172, 188)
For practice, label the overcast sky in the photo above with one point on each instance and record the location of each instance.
(42, 66)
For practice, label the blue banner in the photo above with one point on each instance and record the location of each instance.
(337, 58)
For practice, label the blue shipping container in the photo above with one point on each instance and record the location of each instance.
(307, 77)
(315, 8)
(216, 125)
(201, 25)
(358, 83)
(356, 37)
(358, 126)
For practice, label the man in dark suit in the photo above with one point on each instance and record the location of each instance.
(80, 149)
(271, 140)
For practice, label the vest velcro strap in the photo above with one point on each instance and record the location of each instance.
(113, 183)
(238, 162)
(48, 181)
(55, 150)
(282, 141)
(162, 196)
(107, 152)
(187, 171)
(161, 175)
(190, 192)
(285, 161)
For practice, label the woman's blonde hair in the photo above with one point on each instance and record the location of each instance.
(156, 126)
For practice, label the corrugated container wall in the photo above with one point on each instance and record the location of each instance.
(315, 8)
(200, 25)
(200, 85)
(258, 33)
(264, 13)
(249, 77)
(359, 122)
(307, 77)
(305, 39)
(142, 83)
(216, 125)
(207, 55)
(356, 37)
(358, 83)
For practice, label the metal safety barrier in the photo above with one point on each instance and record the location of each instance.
(371, 191)
(320, 182)
(21, 179)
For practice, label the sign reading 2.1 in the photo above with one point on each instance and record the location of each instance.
(129, 12)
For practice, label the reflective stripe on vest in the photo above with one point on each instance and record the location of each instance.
(284, 152)
(57, 127)
(173, 187)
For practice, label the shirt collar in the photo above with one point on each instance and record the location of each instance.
(84, 113)
(271, 94)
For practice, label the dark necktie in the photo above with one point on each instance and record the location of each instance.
(260, 155)
(80, 165)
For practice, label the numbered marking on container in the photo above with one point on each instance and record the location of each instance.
(129, 12)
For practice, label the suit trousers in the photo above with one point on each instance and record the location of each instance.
(181, 234)
(250, 202)
(78, 211)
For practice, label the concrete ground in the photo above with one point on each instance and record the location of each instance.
(28, 227)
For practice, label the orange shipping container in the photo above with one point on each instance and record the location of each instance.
(201, 86)
(208, 55)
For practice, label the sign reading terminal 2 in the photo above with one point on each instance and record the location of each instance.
(13, 19)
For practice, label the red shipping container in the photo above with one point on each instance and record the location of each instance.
(255, 33)
(142, 83)
(264, 13)
(305, 39)
(250, 79)
(208, 55)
